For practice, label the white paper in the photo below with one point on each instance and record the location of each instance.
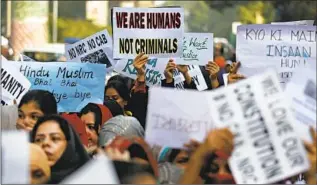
(195, 73)
(154, 70)
(197, 49)
(225, 78)
(15, 157)
(281, 47)
(176, 116)
(301, 91)
(130, 38)
(96, 48)
(257, 112)
(99, 170)
(13, 83)
(302, 22)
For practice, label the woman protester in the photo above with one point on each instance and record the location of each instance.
(61, 144)
(34, 105)
(40, 171)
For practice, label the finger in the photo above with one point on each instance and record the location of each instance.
(143, 57)
(170, 60)
(14, 101)
(313, 135)
(237, 76)
(236, 67)
(138, 56)
(215, 68)
(308, 147)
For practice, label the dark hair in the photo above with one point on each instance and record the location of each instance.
(173, 155)
(63, 124)
(91, 107)
(44, 99)
(120, 78)
(120, 87)
(114, 107)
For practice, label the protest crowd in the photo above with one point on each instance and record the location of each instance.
(160, 106)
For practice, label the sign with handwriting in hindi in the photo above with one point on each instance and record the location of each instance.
(154, 70)
(172, 122)
(96, 48)
(13, 84)
(302, 22)
(99, 170)
(267, 148)
(283, 47)
(197, 49)
(73, 84)
(302, 93)
(157, 32)
(15, 157)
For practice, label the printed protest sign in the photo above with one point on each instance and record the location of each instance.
(172, 122)
(195, 73)
(267, 148)
(157, 32)
(154, 70)
(301, 91)
(302, 22)
(96, 48)
(13, 84)
(15, 157)
(100, 170)
(197, 49)
(73, 84)
(283, 47)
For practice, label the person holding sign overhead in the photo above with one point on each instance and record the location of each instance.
(33, 105)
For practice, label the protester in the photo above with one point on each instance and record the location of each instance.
(34, 105)
(114, 107)
(40, 171)
(61, 144)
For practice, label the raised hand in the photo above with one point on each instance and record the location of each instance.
(168, 72)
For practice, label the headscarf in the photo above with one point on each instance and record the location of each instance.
(169, 173)
(114, 107)
(120, 126)
(137, 147)
(74, 155)
(105, 114)
(78, 125)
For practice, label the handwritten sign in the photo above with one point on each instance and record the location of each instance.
(301, 91)
(283, 47)
(172, 122)
(195, 73)
(266, 146)
(94, 172)
(15, 157)
(73, 84)
(13, 84)
(302, 22)
(96, 48)
(157, 32)
(197, 49)
(154, 70)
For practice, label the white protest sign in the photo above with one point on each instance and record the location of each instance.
(225, 78)
(154, 70)
(99, 170)
(157, 32)
(197, 76)
(302, 22)
(301, 91)
(283, 47)
(172, 121)
(13, 83)
(197, 49)
(179, 79)
(96, 48)
(267, 148)
(15, 157)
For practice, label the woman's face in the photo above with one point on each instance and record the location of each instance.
(111, 93)
(220, 172)
(182, 159)
(28, 114)
(39, 167)
(51, 138)
(89, 121)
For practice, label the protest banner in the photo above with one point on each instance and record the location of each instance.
(283, 47)
(195, 73)
(13, 84)
(301, 91)
(257, 112)
(96, 48)
(14, 166)
(172, 122)
(94, 172)
(73, 84)
(154, 70)
(198, 49)
(302, 22)
(157, 32)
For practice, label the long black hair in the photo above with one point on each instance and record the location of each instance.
(120, 87)
(91, 107)
(44, 99)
